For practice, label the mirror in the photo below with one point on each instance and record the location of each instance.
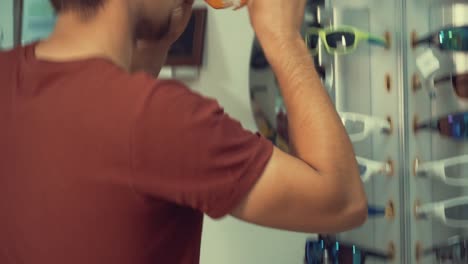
(267, 103)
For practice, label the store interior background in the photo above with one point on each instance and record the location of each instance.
(224, 76)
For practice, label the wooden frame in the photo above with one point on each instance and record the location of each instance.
(188, 49)
(18, 22)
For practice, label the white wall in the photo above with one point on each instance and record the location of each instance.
(6, 23)
(225, 76)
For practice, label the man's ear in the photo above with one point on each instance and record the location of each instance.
(180, 16)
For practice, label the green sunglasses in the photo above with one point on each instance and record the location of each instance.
(339, 40)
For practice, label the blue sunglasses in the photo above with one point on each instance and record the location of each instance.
(454, 250)
(327, 250)
(450, 38)
(453, 126)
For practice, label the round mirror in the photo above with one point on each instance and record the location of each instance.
(267, 103)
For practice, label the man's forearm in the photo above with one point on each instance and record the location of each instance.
(316, 131)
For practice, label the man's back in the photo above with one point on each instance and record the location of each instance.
(98, 165)
(91, 164)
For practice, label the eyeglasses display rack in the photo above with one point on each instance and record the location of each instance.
(366, 83)
(397, 72)
(424, 64)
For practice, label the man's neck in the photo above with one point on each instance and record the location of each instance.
(106, 35)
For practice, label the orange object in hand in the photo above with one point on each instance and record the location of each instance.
(220, 4)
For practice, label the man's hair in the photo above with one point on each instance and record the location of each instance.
(81, 5)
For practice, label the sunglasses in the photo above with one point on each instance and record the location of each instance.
(459, 83)
(326, 250)
(450, 38)
(360, 126)
(455, 251)
(453, 213)
(450, 171)
(453, 126)
(339, 40)
(371, 168)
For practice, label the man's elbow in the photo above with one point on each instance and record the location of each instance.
(356, 213)
(351, 211)
(355, 204)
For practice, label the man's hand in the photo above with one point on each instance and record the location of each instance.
(150, 55)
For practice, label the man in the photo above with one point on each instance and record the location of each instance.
(101, 163)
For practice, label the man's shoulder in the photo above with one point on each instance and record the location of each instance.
(145, 80)
(9, 56)
(176, 90)
(176, 100)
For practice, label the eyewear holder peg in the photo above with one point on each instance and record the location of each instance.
(377, 211)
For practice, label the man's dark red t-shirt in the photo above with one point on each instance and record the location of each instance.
(100, 166)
